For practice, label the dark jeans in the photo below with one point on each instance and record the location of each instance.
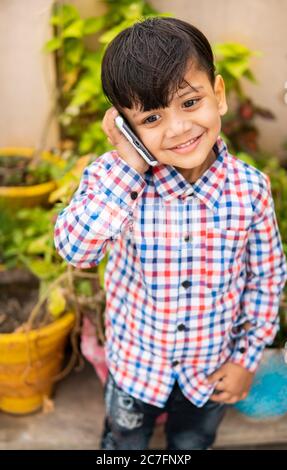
(130, 422)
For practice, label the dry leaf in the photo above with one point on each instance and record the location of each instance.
(48, 405)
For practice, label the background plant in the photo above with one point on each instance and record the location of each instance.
(233, 63)
(80, 97)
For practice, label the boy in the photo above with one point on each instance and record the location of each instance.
(196, 265)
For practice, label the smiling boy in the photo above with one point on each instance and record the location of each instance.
(184, 133)
(196, 265)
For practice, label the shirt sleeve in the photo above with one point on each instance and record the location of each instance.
(266, 277)
(100, 211)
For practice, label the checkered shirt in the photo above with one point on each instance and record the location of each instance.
(188, 265)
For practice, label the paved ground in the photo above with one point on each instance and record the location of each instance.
(76, 423)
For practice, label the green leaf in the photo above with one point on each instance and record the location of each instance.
(109, 35)
(93, 25)
(87, 88)
(236, 68)
(63, 14)
(56, 303)
(39, 245)
(250, 76)
(74, 30)
(84, 287)
(133, 11)
(101, 270)
(231, 50)
(74, 51)
(41, 268)
(53, 44)
(247, 158)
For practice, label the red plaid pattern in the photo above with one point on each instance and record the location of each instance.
(188, 265)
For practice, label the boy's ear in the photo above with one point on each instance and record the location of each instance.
(219, 91)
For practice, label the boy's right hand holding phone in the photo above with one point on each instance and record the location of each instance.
(117, 139)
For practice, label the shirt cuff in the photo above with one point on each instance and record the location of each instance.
(123, 182)
(246, 354)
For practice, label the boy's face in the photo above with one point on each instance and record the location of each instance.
(169, 132)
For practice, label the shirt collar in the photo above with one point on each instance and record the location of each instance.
(171, 184)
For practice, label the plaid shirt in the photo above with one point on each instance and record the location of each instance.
(188, 265)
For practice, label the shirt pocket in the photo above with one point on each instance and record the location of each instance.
(225, 251)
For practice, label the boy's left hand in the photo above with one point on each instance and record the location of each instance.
(233, 383)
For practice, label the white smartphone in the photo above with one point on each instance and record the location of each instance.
(135, 141)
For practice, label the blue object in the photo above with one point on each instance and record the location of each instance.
(268, 395)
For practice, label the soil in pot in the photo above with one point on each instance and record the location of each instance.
(18, 295)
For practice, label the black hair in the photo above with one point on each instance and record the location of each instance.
(145, 64)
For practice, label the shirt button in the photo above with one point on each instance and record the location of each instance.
(175, 363)
(186, 284)
(134, 195)
(181, 327)
(187, 238)
(242, 350)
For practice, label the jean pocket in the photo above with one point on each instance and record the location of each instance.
(124, 411)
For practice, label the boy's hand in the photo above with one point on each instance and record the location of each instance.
(118, 140)
(232, 383)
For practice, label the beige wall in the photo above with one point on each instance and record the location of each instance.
(27, 75)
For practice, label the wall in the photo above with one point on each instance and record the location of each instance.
(27, 75)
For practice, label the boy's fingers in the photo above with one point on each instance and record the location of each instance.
(220, 386)
(217, 375)
(222, 397)
(108, 118)
(233, 399)
(109, 126)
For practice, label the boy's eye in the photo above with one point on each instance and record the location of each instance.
(151, 119)
(190, 103)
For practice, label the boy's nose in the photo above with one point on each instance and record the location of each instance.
(177, 127)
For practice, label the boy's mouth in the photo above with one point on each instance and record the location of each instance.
(187, 146)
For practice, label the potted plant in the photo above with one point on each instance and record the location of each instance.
(40, 307)
(81, 101)
(27, 177)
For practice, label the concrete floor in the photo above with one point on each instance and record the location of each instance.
(76, 423)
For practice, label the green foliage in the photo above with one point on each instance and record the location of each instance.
(57, 303)
(27, 240)
(239, 125)
(233, 63)
(82, 102)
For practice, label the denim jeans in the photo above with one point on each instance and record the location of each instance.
(130, 422)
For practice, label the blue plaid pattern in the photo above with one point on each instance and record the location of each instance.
(188, 265)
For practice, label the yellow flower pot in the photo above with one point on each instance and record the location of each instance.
(27, 196)
(28, 364)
